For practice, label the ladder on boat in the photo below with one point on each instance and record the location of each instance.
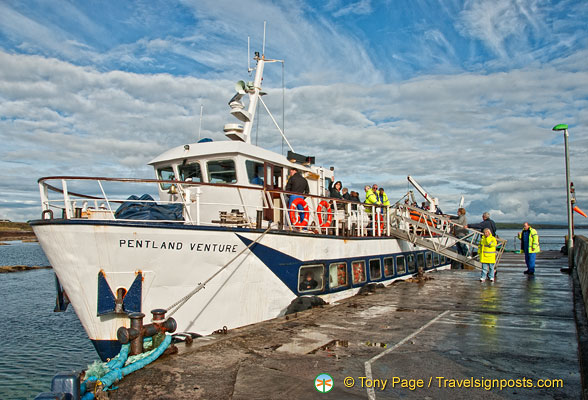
(436, 233)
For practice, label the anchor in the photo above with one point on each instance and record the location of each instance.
(124, 302)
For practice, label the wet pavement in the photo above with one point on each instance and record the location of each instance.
(448, 337)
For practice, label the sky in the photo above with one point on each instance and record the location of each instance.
(461, 95)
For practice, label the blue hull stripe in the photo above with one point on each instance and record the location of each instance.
(287, 268)
(107, 348)
(284, 266)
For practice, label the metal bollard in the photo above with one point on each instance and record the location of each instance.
(259, 219)
(138, 331)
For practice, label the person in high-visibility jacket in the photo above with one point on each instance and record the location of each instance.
(487, 252)
(371, 198)
(383, 197)
(530, 246)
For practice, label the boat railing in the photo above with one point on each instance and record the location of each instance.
(259, 207)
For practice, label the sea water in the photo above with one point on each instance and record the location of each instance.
(549, 239)
(35, 342)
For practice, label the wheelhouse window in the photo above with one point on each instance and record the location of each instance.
(358, 268)
(191, 171)
(420, 260)
(400, 265)
(389, 267)
(338, 275)
(436, 258)
(166, 174)
(375, 269)
(221, 171)
(429, 259)
(310, 278)
(254, 172)
(410, 260)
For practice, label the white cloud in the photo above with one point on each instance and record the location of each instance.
(481, 133)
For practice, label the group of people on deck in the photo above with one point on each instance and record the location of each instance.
(488, 243)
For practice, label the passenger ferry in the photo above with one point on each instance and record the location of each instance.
(221, 246)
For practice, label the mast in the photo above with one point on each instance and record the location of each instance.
(253, 90)
(254, 97)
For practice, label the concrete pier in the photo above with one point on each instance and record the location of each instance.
(448, 337)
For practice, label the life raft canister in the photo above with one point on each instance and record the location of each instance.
(319, 210)
(380, 220)
(294, 213)
(416, 216)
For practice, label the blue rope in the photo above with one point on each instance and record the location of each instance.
(117, 371)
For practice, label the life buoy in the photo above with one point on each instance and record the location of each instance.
(319, 210)
(295, 212)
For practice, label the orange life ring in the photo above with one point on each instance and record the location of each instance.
(319, 210)
(294, 212)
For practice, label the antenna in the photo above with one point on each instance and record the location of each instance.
(248, 54)
(200, 127)
(263, 46)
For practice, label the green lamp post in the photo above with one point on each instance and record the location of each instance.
(570, 243)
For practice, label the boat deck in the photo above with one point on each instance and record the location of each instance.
(446, 332)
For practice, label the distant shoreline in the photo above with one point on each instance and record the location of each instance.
(16, 231)
(5, 269)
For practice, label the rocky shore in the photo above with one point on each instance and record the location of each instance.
(16, 231)
(4, 269)
(10, 231)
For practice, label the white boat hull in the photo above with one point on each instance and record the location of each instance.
(174, 258)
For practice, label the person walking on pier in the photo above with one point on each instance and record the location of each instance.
(486, 223)
(459, 231)
(530, 246)
(487, 252)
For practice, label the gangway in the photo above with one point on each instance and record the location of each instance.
(436, 233)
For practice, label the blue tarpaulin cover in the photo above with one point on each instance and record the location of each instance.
(148, 210)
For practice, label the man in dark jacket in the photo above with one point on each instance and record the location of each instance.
(486, 223)
(297, 183)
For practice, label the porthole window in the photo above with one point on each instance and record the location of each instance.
(411, 261)
(400, 265)
(420, 260)
(375, 269)
(389, 267)
(338, 275)
(310, 278)
(358, 268)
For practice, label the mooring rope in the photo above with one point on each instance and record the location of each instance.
(178, 304)
(106, 374)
